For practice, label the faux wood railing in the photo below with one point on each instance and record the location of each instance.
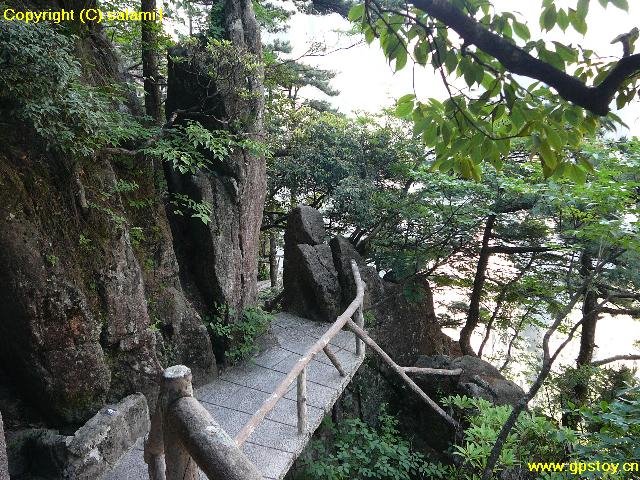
(299, 371)
(197, 440)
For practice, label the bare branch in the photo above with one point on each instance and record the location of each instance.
(616, 358)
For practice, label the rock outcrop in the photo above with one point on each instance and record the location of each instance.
(478, 379)
(318, 284)
(87, 454)
(310, 280)
(91, 302)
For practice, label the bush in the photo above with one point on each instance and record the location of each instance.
(66, 113)
(612, 432)
(360, 451)
(239, 337)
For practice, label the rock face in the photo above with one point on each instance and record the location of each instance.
(221, 255)
(4, 465)
(478, 379)
(91, 300)
(87, 454)
(310, 279)
(316, 293)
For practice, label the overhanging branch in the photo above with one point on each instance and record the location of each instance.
(509, 250)
(616, 358)
(517, 61)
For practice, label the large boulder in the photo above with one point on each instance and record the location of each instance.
(305, 225)
(343, 253)
(316, 292)
(478, 379)
(401, 319)
(310, 280)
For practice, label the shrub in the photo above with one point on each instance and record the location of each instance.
(360, 451)
(66, 113)
(240, 336)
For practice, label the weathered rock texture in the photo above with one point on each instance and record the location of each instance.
(478, 379)
(91, 302)
(91, 297)
(4, 465)
(87, 454)
(221, 256)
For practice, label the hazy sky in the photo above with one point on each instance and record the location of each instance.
(367, 83)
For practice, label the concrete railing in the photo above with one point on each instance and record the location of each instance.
(196, 440)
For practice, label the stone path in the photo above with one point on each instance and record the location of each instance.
(234, 396)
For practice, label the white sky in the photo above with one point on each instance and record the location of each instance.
(367, 83)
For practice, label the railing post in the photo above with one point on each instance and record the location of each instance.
(176, 384)
(154, 446)
(360, 323)
(4, 463)
(302, 401)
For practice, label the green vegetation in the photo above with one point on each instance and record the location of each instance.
(238, 338)
(480, 121)
(65, 112)
(354, 449)
(357, 450)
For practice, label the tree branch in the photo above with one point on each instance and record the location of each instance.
(509, 250)
(605, 361)
(517, 61)
(621, 311)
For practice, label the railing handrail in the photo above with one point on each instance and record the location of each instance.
(298, 369)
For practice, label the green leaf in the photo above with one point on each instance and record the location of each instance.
(548, 18)
(404, 106)
(401, 59)
(571, 116)
(451, 61)
(578, 23)
(548, 156)
(622, 4)
(555, 140)
(583, 8)
(369, 34)
(521, 30)
(563, 19)
(409, 97)
(356, 12)
(421, 53)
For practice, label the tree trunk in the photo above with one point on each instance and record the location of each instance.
(588, 329)
(221, 258)
(152, 100)
(580, 391)
(273, 260)
(473, 316)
